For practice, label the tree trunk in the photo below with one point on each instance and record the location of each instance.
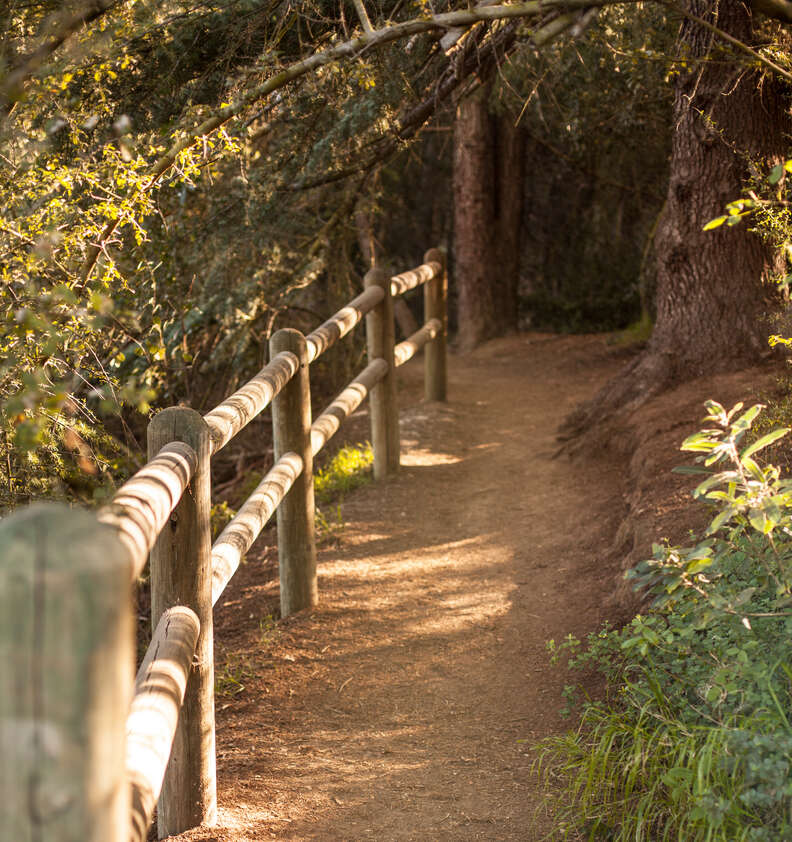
(488, 169)
(474, 218)
(713, 302)
(712, 297)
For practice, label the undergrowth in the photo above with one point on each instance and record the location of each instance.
(692, 740)
(348, 469)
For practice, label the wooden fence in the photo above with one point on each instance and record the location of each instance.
(76, 759)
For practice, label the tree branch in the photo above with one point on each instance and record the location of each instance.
(736, 43)
(356, 46)
(363, 16)
(480, 58)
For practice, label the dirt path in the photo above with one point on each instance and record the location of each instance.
(395, 710)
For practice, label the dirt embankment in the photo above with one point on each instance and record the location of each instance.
(405, 706)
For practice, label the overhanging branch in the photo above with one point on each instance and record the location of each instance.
(354, 47)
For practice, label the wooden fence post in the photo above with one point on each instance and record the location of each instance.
(383, 404)
(181, 575)
(66, 665)
(291, 431)
(436, 307)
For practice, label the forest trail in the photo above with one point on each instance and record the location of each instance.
(396, 709)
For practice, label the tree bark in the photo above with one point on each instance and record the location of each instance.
(474, 218)
(488, 169)
(713, 302)
(712, 296)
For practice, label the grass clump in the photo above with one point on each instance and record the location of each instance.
(348, 469)
(692, 740)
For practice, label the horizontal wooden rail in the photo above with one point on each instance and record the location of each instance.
(415, 277)
(339, 325)
(151, 723)
(143, 504)
(409, 348)
(328, 423)
(235, 540)
(238, 410)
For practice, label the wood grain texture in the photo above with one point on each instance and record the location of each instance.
(436, 307)
(239, 409)
(291, 430)
(153, 717)
(412, 278)
(243, 529)
(141, 507)
(181, 575)
(66, 663)
(412, 345)
(380, 340)
(339, 325)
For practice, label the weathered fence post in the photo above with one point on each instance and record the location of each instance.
(66, 663)
(435, 307)
(291, 431)
(181, 575)
(383, 405)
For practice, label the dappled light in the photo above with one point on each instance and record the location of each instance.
(541, 227)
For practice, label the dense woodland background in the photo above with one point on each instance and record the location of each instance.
(556, 160)
(180, 179)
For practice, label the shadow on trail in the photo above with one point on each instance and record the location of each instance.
(395, 710)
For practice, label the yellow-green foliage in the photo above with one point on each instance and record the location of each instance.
(348, 469)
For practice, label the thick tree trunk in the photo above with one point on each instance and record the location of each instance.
(488, 169)
(712, 297)
(713, 302)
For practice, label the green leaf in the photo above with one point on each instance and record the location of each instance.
(716, 410)
(698, 564)
(764, 441)
(715, 479)
(698, 442)
(690, 469)
(715, 223)
(720, 520)
(775, 174)
(753, 469)
(747, 418)
(713, 694)
(759, 521)
(743, 596)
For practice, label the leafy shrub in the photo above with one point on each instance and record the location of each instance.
(347, 470)
(692, 740)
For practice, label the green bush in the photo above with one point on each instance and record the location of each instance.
(347, 470)
(692, 740)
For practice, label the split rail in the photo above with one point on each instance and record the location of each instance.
(76, 759)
